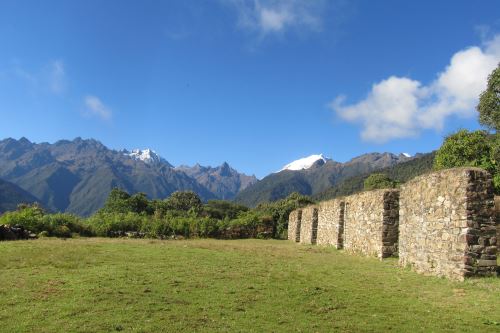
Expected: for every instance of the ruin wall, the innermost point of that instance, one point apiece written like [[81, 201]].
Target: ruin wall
[[497, 221], [446, 224]]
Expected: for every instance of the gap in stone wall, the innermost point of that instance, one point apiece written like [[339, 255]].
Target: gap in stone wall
[[314, 228]]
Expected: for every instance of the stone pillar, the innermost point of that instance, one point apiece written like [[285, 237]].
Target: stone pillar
[[447, 226], [371, 223], [294, 225], [331, 223]]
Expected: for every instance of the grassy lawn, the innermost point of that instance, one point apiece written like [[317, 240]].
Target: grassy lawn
[[102, 285]]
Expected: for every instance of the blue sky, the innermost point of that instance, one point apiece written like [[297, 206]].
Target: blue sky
[[253, 83]]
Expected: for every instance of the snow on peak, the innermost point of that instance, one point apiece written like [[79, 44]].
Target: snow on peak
[[147, 155], [406, 154], [304, 163]]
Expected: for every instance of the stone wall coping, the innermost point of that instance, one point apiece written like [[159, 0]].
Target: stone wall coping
[[331, 201], [457, 171], [381, 191]]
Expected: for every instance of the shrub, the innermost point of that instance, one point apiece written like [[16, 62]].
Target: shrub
[[29, 217], [105, 224], [63, 225], [475, 149]]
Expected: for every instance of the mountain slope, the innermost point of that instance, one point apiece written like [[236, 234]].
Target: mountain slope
[[76, 176], [401, 172], [223, 181], [11, 195], [317, 178]]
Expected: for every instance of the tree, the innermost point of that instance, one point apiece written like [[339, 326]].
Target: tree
[[378, 181], [117, 201], [120, 201], [221, 209], [139, 203], [464, 148], [183, 200], [489, 102], [475, 149]]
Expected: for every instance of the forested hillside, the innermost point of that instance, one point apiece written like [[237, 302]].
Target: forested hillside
[[401, 173]]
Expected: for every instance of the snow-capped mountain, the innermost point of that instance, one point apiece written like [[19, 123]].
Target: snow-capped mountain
[[315, 174], [406, 154], [148, 156], [305, 163]]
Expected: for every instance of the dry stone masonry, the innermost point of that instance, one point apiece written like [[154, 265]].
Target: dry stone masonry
[[371, 223], [444, 223], [497, 220], [447, 227], [331, 223], [309, 225]]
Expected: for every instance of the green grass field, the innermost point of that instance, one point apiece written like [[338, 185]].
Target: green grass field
[[103, 285]]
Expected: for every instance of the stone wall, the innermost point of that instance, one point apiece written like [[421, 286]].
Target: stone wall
[[16, 232], [497, 220], [331, 223], [371, 223], [309, 225], [446, 224], [294, 223]]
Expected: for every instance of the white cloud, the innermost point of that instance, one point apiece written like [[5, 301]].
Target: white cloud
[[95, 107], [57, 77], [400, 107], [48, 78], [277, 16]]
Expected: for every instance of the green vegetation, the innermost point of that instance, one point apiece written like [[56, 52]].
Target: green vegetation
[[279, 211], [180, 215], [35, 219], [399, 173], [105, 285], [489, 102], [378, 181], [476, 149]]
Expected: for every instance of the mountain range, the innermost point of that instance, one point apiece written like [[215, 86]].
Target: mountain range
[[76, 176], [315, 174]]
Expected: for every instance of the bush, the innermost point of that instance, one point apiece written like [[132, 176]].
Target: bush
[[474, 149], [279, 211], [34, 219], [29, 217], [63, 225], [220, 209], [106, 224]]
